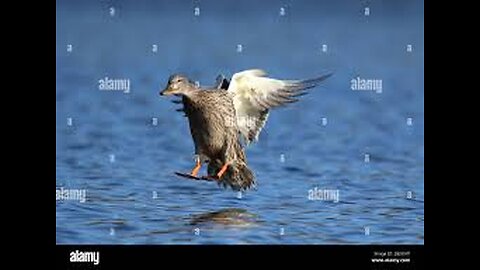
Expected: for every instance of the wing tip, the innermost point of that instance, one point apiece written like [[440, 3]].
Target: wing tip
[[319, 78]]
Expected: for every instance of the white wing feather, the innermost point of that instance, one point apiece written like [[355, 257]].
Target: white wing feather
[[254, 94]]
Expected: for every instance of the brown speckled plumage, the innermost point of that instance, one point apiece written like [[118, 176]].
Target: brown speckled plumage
[[211, 116]]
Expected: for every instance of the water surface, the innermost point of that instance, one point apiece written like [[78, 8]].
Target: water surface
[[126, 164]]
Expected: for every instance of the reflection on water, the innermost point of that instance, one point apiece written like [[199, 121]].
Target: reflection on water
[[229, 217]]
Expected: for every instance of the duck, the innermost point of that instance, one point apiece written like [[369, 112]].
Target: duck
[[226, 118]]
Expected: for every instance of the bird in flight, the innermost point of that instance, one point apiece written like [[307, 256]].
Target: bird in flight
[[229, 116]]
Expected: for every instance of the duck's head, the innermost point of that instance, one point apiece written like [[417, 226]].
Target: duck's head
[[178, 84]]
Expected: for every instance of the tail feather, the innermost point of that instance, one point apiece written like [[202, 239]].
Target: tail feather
[[238, 176], [244, 177]]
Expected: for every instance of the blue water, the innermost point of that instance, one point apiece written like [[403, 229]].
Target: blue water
[[125, 163]]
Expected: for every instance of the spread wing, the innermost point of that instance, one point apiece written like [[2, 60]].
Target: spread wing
[[254, 95]]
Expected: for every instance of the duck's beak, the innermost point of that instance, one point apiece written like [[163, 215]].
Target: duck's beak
[[166, 92]]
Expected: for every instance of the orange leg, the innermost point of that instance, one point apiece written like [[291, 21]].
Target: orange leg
[[197, 168], [223, 170]]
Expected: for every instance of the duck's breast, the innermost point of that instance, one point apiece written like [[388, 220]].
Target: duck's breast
[[212, 122]]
